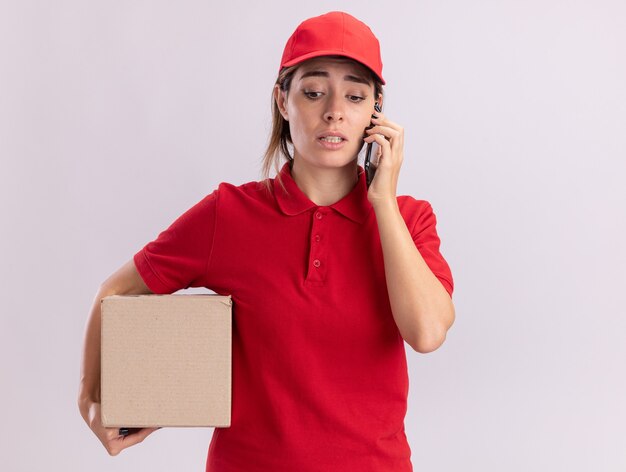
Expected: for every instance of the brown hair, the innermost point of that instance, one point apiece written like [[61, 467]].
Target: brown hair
[[280, 138]]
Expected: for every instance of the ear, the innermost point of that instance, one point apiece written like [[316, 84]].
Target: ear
[[380, 100], [281, 101]]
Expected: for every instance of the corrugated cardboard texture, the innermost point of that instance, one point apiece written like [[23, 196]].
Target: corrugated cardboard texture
[[166, 360]]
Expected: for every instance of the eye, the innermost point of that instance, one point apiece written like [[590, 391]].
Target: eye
[[311, 95], [355, 98]]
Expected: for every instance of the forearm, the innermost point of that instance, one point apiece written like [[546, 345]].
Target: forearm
[[89, 387], [421, 306]]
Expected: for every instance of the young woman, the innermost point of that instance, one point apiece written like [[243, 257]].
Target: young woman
[[329, 276]]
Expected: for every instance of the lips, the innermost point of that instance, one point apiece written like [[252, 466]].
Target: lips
[[332, 134]]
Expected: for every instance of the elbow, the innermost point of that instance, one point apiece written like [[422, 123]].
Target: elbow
[[431, 341], [425, 342], [424, 345]]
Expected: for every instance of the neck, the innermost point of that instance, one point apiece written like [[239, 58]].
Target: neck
[[324, 186]]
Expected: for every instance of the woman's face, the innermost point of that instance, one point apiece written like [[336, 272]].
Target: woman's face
[[329, 104]]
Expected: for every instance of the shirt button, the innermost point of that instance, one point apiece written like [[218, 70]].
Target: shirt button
[[317, 263], [318, 215], [317, 238]]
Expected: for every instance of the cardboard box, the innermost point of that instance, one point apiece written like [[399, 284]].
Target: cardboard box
[[166, 360]]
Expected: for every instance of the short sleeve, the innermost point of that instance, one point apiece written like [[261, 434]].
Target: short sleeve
[[426, 239], [179, 257]]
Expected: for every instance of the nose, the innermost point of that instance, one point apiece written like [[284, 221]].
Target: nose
[[334, 109]]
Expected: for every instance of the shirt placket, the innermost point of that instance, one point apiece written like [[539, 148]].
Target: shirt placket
[[318, 260]]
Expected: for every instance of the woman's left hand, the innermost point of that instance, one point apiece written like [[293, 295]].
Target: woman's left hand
[[390, 139]]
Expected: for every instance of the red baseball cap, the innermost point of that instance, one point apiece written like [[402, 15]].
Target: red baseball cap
[[334, 33]]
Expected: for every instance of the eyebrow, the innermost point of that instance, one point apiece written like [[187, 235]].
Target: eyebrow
[[321, 73]]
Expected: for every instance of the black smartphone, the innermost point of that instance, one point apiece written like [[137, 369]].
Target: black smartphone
[[128, 431], [370, 169]]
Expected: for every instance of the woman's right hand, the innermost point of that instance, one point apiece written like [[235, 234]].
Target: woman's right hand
[[110, 438]]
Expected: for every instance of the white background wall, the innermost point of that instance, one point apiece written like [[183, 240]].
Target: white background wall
[[115, 117]]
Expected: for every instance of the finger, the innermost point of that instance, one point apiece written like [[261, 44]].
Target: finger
[[382, 119], [111, 433], [120, 443], [381, 141], [379, 138], [116, 443], [138, 436], [111, 440], [388, 132]]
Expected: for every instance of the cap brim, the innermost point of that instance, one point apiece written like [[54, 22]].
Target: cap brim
[[330, 52]]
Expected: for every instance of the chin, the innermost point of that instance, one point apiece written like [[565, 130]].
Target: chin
[[332, 159], [334, 162]]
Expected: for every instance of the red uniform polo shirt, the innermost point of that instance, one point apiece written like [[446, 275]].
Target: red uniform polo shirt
[[319, 380]]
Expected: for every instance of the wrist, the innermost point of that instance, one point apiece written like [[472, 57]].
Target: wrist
[[385, 204], [86, 399]]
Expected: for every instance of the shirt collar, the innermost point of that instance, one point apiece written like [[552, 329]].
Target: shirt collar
[[354, 205]]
